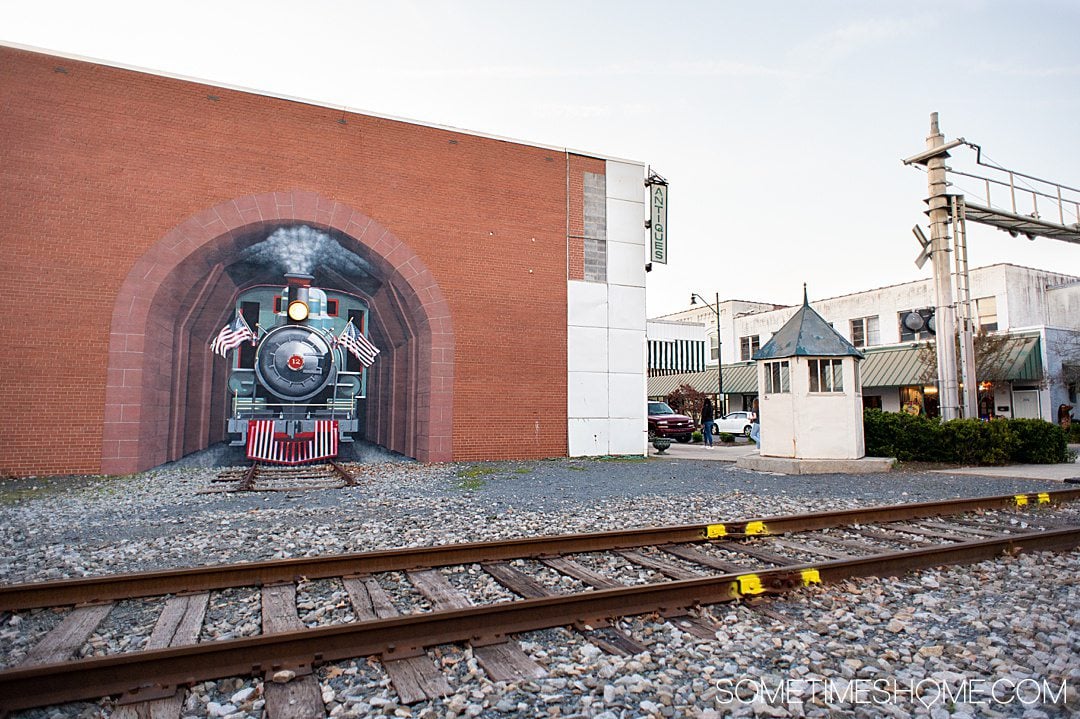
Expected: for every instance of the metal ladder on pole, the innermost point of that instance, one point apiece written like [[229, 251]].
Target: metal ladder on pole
[[962, 282]]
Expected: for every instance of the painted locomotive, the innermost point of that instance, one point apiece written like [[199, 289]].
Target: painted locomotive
[[296, 384]]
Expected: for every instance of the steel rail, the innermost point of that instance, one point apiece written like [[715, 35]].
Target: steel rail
[[149, 674], [200, 579]]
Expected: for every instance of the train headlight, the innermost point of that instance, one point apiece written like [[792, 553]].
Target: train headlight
[[298, 311]]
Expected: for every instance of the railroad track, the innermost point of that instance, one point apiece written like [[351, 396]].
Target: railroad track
[[270, 478], [688, 566]]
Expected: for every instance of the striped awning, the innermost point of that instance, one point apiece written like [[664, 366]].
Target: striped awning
[[739, 378], [1019, 358], [896, 367]]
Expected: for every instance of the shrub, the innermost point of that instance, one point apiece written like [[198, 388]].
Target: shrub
[[904, 436], [726, 437], [967, 441], [970, 441], [696, 436], [1039, 442], [1074, 432]]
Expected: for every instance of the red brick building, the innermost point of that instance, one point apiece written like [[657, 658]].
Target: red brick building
[[128, 197]]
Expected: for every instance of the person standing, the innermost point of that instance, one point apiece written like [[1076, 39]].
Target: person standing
[[707, 416], [755, 425]]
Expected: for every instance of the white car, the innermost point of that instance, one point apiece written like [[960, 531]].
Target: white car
[[734, 423]]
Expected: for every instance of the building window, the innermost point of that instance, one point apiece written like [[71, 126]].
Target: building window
[[865, 332], [714, 346], [777, 377], [595, 242], [909, 335], [826, 375], [748, 346], [986, 310]]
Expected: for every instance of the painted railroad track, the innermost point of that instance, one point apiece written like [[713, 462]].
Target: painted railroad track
[[268, 478], [557, 581]]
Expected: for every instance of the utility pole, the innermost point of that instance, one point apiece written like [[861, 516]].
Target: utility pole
[[945, 313], [968, 369]]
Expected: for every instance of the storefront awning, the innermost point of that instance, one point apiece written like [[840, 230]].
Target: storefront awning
[[1017, 358], [739, 378]]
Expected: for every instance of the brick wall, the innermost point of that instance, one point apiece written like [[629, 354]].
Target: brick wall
[[99, 166]]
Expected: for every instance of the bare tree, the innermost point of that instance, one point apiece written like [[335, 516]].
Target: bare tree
[[993, 356], [1067, 347]]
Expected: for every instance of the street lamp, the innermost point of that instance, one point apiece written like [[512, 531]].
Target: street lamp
[[694, 297]]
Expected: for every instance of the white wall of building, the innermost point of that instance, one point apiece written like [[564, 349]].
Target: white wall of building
[[606, 331], [1063, 306], [671, 330]]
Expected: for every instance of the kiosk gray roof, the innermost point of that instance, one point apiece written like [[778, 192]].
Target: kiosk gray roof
[[806, 334]]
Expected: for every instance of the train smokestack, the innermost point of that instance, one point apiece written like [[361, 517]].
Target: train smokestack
[[298, 304]]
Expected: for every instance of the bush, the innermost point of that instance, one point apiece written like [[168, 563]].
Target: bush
[[1039, 442], [966, 441], [696, 436], [969, 441], [1074, 432], [726, 437], [904, 436]]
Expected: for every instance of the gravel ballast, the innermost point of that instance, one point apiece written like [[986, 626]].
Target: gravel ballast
[[1000, 638]]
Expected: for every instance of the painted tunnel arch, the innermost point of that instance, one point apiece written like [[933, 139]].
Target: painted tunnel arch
[[165, 392]]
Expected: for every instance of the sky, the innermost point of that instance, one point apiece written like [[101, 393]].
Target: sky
[[780, 126]]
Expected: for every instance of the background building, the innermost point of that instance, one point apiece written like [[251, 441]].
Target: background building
[[505, 279], [1030, 320]]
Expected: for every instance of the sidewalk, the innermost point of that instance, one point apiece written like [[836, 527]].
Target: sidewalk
[[719, 452], [1051, 472], [731, 453]]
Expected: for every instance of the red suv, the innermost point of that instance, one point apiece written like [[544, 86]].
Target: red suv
[[665, 422]]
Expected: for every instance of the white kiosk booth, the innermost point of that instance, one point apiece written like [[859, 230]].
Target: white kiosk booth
[[810, 401]]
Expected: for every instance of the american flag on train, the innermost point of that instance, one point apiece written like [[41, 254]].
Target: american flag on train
[[232, 335], [266, 445], [354, 341]]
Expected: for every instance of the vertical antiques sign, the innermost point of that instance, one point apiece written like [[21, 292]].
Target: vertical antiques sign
[[658, 200]]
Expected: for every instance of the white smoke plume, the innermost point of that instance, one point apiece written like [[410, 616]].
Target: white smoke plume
[[304, 249]]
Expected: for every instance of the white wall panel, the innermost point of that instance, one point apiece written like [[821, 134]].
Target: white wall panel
[[588, 437], [626, 223], [626, 351], [625, 181], [628, 436], [627, 395], [626, 264], [587, 304], [587, 349], [587, 394], [626, 307]]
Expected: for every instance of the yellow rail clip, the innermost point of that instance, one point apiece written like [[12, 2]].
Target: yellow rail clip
[[1021, 500], [756, 528], [810, 576], [1044, 498], [715, 530], [750, 584]]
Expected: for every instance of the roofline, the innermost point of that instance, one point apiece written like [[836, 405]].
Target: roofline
[[313, 103], [1075, 279], [677, 323], [931, 279]]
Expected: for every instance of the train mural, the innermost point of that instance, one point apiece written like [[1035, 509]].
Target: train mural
[[297, 371]]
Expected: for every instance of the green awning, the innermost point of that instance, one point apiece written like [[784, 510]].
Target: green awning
[[895, 367], [1019, 358], [739, 378]]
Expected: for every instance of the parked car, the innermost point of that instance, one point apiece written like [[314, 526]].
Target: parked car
[[735, 423], [666, 422]]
